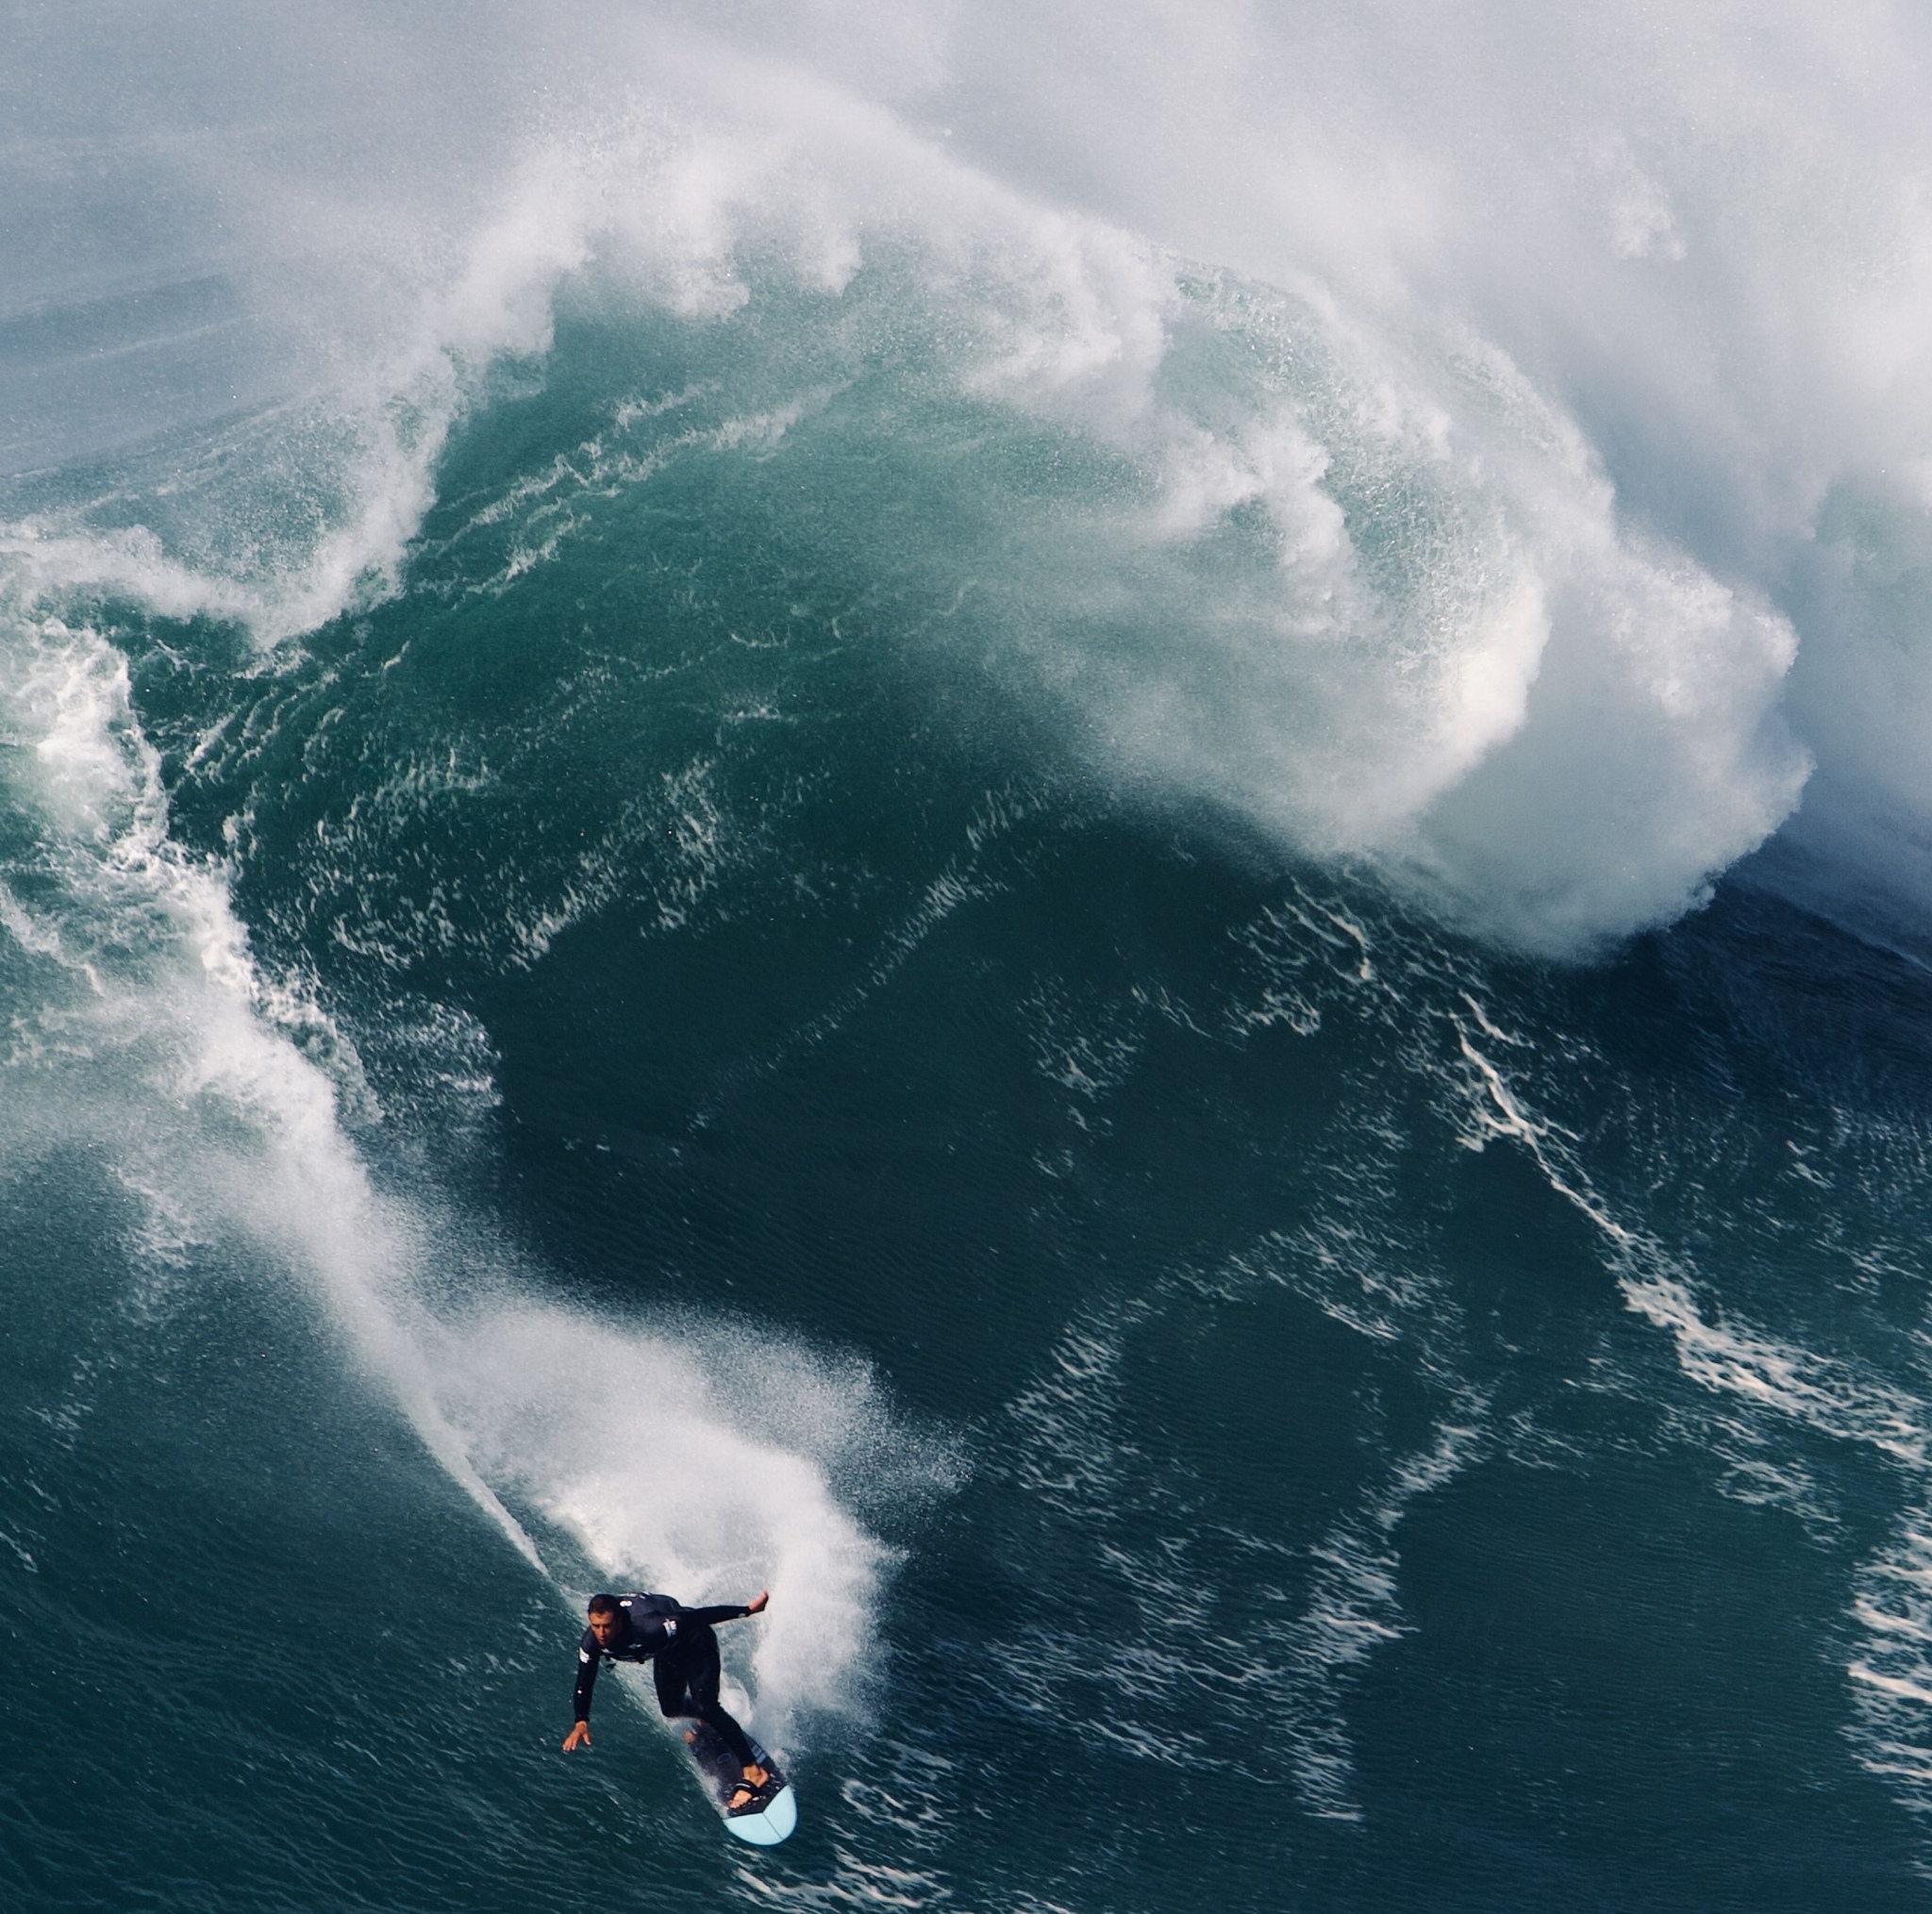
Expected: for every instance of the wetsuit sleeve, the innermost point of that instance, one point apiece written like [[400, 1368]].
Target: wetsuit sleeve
[[588, 1659], [730, 1611]]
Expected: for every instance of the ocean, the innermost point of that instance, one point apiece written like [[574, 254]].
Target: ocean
[[1103, 833]]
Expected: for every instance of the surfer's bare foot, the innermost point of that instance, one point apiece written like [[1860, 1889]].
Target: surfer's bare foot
[[755, 1778]]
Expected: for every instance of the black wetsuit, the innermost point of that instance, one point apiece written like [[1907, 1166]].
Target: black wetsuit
[[683, 1653]]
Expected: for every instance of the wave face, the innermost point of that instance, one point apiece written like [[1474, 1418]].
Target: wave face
[[1098, 833]]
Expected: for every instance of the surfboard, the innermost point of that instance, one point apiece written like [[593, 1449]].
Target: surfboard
[[769, 1816]]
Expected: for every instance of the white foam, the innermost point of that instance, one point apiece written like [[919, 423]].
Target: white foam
[[1553, 717]]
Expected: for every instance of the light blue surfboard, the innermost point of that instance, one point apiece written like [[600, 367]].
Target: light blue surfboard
[[770, 1816]]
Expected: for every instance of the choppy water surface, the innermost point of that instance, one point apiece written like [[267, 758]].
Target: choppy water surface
[[1104, 838]]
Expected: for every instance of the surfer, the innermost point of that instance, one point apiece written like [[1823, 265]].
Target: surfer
[[683, 1653]]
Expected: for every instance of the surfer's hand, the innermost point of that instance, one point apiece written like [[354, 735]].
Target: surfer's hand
[[757, 1604], [579, 1737]]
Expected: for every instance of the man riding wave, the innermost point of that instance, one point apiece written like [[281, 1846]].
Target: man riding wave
[[683, 1653]]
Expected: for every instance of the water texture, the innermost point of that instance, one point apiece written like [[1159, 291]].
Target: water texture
[[1103, 833]]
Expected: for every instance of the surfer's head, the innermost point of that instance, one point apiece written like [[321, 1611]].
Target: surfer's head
[[607, 1619]]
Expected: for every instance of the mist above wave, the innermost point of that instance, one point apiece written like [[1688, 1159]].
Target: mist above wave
[[1473, 385]]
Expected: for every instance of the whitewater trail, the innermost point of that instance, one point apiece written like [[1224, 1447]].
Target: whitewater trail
[[700, 1459]]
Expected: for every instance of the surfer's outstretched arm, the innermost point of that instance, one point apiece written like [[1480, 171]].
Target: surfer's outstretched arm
[[729, 1612]]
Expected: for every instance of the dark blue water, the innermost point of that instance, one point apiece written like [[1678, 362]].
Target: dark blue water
[[1124, 965]]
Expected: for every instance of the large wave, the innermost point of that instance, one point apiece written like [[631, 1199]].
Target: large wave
[[1477, 444]]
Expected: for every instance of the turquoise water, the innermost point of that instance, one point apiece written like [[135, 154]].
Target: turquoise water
[[778, 830]]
